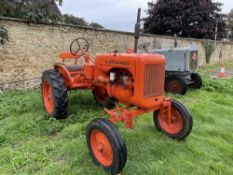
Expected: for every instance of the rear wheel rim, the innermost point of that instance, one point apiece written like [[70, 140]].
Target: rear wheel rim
[[48, 96], [173, 127], [174, 86], [101, 148]]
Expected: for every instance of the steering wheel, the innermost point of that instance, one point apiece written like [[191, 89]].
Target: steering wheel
[[77, 44], [144, 45]]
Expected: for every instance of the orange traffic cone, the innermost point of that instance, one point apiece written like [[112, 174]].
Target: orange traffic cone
[[222, 72]]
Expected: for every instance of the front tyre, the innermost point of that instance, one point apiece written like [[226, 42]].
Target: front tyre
[[197, 81], [180, 126], [54, 94], [106, 145]]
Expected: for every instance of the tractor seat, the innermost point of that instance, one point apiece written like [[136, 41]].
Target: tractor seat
[[73, 68]]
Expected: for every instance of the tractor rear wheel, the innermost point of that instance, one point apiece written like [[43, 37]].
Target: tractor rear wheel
[[197, 81], [176, 85], [180, 126], [106, 145], [54, 94]]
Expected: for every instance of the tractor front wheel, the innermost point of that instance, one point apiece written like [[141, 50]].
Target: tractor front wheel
[[197, 81], [106, 145], [54, 94], [176, 85], [181, 122]]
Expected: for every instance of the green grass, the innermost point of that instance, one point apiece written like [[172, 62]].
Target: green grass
[[33, 143]]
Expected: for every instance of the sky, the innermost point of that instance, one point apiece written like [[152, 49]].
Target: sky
[[114, 14]]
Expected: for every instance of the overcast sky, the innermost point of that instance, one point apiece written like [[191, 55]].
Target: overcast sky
[[114, 14]]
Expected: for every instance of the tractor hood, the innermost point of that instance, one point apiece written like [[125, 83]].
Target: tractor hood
[[128, 60], [179, 59]]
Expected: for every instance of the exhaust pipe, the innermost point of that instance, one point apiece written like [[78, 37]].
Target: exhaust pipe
[[137, 31]]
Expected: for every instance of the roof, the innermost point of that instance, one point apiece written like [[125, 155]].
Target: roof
[[179, 49], [53, 8]]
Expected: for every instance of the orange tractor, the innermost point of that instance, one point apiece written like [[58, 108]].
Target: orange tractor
[[136, 81]]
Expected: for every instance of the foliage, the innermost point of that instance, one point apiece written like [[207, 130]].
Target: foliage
[[58, 1], [3, 35], [24, 10], [42, 14], [96, 25], [224, 86], [230, 24], [71, 19], [209, 49], [185, 18], [12, 8], [221, 86], [33, 143]]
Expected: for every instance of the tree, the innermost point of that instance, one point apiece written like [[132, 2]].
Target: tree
[[40, 11], [230, 24], [96, 25], [12, 8], [185, 18], [71, 19], [33, 11]]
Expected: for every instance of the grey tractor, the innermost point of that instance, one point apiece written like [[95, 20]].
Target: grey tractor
[[181, 68]]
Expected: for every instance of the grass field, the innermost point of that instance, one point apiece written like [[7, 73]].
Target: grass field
[[32, 143]]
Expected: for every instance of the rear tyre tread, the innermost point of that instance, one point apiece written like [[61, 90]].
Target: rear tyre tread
[[60, 97]]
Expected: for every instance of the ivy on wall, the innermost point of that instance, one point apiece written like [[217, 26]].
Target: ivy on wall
[[3, 35], [209, 47]]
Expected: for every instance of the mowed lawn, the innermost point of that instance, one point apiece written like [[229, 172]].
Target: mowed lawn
[[33, 143]]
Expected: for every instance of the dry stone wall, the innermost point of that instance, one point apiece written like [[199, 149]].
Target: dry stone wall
[[33, 48]]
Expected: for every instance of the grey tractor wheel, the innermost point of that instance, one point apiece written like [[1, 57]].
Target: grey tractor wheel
[[176, 84], [197, 81]]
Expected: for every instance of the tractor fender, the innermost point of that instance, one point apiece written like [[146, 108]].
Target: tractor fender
[[65, 75]]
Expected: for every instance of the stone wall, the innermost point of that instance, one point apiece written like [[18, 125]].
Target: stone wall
[[33, 48]]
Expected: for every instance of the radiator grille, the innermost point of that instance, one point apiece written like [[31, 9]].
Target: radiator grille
[[154, 75]]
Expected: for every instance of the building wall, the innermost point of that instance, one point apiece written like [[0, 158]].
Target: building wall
[[32, 48]]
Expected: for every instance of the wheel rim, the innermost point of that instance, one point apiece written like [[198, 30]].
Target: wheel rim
[[101, 148], [48, 96], [174, 86], [176, 124]]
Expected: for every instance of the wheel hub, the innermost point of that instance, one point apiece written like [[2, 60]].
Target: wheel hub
[[101, 148], [176, 124], [174, 86]]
